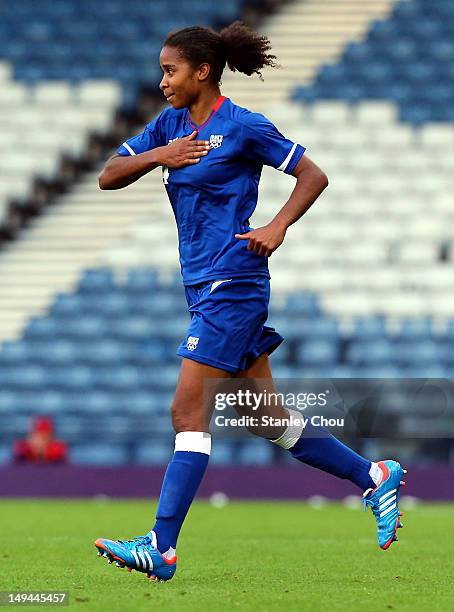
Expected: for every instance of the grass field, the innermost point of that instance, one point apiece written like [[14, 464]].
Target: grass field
[[245, 556]]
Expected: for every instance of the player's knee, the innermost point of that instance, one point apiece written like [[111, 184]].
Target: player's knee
[[186, 418]]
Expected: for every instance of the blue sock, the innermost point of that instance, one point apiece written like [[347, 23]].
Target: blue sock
[[317, 447], [181, 481]]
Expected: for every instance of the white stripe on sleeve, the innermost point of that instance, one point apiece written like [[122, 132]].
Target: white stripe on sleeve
[[126, 146], [286, 161]]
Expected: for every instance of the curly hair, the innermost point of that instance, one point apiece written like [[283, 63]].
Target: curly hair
[[236, 45]]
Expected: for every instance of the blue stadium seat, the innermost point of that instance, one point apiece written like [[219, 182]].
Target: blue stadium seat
[[14, 426], [416, 328], [119, 378], [427, 370], [59, 352], [86, 326], [96, 280], [91, 401], [222, 452], [67, 305], [5, 454], [71, 378], [28, 376], [400, 93], [418, 353], [254, 452], [146, 403], [153, 352], [406, 58], [8, 401], [357, 53], [153, 453], [401, 51], [302, 303], [286, 371], [43, 401], [142, 280], [380, 370], [418, 114], [132, 328], [99, 454], [70, 428], [441, 50], [317, 352], [160, 379], [13, 352], [369, 328], [172, 329], [38, 327], [383, 32], [373, 352], [320, 327], [105, 352]]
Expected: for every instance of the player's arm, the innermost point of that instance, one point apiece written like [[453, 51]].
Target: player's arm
[[122, 170], [310, 182]]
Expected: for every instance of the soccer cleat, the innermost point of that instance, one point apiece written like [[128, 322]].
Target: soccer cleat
[[140, 554], [384, 501]]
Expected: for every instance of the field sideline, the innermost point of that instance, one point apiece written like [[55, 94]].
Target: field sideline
[[245, 556]]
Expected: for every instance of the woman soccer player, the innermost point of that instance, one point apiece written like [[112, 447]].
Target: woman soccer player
[[212, 153]]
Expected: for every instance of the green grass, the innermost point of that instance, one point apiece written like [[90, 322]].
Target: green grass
[[245, 556]]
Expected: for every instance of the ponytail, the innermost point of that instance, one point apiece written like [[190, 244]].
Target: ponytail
[[246, 51], [236, 45]]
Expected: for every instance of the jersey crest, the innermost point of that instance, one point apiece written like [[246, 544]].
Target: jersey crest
[[216, 140]]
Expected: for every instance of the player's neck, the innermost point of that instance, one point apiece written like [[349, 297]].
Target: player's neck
[[203, 107]]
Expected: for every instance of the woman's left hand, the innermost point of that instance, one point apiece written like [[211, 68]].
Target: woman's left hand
[[264, 240]]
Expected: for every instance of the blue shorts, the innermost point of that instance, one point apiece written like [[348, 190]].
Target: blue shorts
[[227, 328]]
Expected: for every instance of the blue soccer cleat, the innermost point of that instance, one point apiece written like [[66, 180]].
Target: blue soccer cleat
[[384, 501], [140, 554]]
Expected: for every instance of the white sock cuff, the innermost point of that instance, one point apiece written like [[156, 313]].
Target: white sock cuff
[[193, 441], [293, 432]]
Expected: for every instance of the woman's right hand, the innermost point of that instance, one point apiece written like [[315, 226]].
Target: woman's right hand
[[183, 151]]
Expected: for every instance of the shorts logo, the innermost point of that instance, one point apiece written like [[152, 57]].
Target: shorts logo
[[192, 342], [216, 141]]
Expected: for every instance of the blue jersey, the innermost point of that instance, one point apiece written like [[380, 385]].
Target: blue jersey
[[214, 199]]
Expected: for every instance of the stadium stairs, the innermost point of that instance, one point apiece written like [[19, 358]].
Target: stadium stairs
[[304, 35]]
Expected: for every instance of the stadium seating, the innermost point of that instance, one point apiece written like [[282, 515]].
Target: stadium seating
[[103, 362], [83, 40], [407, 58], [64, 70], [41, 124]]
